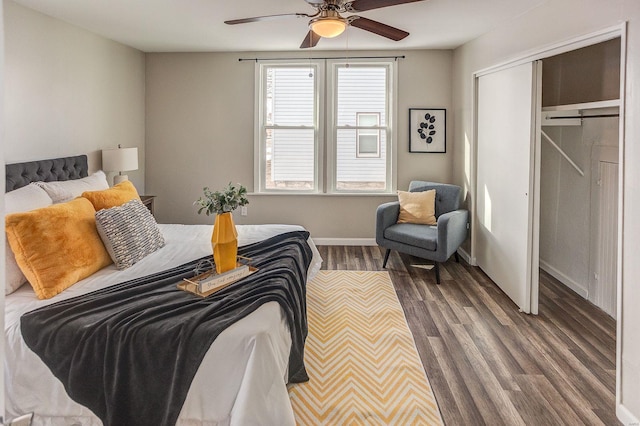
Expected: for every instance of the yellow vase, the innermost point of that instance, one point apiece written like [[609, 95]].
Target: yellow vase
[[224, 241]]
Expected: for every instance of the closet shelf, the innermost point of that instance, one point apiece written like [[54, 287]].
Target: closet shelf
[[585, 105]]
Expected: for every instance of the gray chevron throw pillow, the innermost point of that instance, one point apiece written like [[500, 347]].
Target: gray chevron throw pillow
[[129, 232]]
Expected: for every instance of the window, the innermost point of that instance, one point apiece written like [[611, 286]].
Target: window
[[292, 123], [287, 153]]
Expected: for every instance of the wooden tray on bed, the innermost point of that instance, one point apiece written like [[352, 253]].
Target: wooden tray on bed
[[209, 282]]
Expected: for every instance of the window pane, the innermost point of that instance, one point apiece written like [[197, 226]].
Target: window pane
[[355, 172], [289, 96], [368, 119], [368, 139], [367, 144], [290, 159], [361, 90]]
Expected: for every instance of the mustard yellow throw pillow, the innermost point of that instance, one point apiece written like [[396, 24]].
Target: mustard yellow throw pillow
[[56, 246], [417, 207], [112, 197]]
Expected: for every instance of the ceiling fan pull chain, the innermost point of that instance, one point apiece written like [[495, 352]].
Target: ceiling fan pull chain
[[347, 54]]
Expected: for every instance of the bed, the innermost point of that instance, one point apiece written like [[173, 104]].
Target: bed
[[242, 377]]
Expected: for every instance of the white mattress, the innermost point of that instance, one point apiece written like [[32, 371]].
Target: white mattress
[[242, 378]]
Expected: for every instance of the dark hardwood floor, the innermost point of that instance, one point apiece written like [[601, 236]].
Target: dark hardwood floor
[[489, 364]]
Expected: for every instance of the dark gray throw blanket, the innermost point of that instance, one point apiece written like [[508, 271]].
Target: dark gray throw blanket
[[130, 351]]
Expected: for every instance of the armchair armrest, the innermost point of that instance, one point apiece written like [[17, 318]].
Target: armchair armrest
[[452, 231], [386, 215]]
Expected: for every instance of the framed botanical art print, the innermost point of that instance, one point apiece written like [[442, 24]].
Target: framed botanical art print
[[427, 130]]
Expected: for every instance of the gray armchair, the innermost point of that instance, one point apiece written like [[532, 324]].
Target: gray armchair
[[436, 243]]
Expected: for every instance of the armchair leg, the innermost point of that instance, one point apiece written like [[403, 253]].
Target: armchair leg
[[386, 257], [437, 268], [457, 257]]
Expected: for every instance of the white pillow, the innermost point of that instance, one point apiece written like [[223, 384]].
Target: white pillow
[[67, 190], [23, 199]]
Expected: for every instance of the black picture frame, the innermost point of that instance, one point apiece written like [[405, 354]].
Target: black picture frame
[[428, 130]]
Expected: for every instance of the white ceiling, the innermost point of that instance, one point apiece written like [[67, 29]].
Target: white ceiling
[[197, 25]]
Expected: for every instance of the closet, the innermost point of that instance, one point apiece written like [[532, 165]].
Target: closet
[[547, 173], [579, 170]]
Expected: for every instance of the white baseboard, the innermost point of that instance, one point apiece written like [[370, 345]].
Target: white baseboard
[[625, 416], [466, 256], [564, 279], [345, 241], [368, 242]]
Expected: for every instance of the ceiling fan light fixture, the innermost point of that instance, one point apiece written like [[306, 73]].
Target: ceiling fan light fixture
[[328, 27]]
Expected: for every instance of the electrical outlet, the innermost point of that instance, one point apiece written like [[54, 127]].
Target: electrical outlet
[[243, 211]]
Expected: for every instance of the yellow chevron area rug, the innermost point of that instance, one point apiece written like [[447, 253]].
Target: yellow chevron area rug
[[362, 361]]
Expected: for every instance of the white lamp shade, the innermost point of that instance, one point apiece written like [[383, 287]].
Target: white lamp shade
[[120, 160], [328, 27]]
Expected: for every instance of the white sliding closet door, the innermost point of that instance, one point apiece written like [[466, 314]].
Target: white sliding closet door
[[506, 123]]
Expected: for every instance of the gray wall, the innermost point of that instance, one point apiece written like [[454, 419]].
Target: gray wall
[[564, 20], [199, 115], [69, 92]]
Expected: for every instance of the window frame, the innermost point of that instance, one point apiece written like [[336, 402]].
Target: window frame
[[390, 128], [260, 124], [325, 128]]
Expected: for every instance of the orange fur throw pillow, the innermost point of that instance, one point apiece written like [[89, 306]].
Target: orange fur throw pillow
[[417, 207], [112, 197], [56, 246]]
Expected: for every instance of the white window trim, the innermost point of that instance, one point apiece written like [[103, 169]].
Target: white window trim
[[325, 129]]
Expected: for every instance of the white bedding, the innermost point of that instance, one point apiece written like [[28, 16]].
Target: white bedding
[[242, 378]]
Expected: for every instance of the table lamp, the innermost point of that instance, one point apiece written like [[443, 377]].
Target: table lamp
[[120, 160]]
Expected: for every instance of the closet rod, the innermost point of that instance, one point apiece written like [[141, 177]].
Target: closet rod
[[584, 116], [566, 157]]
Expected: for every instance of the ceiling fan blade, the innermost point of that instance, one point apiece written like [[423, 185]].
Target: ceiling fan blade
[[378, 28], [310, 40], [266, 18], [362, 5]]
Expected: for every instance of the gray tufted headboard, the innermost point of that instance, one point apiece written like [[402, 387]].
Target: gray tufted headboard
[[66, 168]]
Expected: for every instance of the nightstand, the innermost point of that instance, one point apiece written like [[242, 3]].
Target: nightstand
[[147, 200]]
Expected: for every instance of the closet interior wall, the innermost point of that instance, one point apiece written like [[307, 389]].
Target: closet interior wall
[[571, 231]]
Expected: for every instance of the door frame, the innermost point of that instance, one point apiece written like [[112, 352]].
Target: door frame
[[532, 56]]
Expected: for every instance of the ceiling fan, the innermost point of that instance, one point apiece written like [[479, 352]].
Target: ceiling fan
[[327, 21]]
